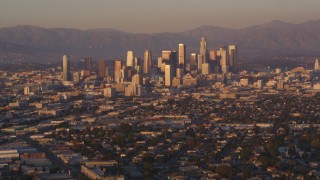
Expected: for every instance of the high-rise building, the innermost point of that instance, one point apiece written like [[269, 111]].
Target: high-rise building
[[166, 55], [125, 73], [159, 62], [130, 59], [136, 62], [88, 63], [316, 65], [203, 49], [109, 92], [223, 60], [174, 60], [232, 56], [147, 61], [26, 90], [76, 76], [117, 65], [213, 55], [280, 84], [168, 75], [182, 56], [136, 79], [169, 57], [205, 69], [179, 73], [193, 59], [102, 69], [200, 62], [66, 68]]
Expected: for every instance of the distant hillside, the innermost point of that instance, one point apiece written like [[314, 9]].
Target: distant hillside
[[271, 39]]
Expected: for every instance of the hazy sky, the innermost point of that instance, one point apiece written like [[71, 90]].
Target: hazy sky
[[154, 15]]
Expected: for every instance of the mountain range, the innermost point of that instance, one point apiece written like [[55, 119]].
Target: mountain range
[[37, 44]]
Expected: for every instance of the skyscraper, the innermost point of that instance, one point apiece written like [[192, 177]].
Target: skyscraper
[[213, 55], [168, 75], [88, 63], [182, 56], [200, 62], [169, 57], [223, 60], [147, 61], [136, 62], [193, 61], [232, 56], [316, 65], [203, 49], [102, 68], [117, 70], [205, 69], [136, 79], [130, 58], [66, 68]]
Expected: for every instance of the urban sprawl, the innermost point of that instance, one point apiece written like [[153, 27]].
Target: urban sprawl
[[175, 119]]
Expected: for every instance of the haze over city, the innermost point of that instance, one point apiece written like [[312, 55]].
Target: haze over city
[[145, 16]]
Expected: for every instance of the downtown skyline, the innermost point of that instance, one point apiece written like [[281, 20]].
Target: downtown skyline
[[165, 89]]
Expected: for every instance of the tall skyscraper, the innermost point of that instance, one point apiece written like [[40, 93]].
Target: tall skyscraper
[[88, 63], [179, 73], [102, 70], [232, 56], [147, 61], [117, 70], [169, 57], [182, 56], [166, 55], [205, 69], [193, 61], [203, 49], [136, 79], [130, 58], [200, 62], [213, 55], [223, 60], [136, 62], [316, 65], [159, 62], [168, 75], [66, 68]]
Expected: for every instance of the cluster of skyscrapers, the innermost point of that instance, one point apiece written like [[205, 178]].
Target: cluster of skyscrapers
[[171, 66]]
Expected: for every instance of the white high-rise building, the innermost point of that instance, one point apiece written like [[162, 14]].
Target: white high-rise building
[[66, 68], [130, 59]]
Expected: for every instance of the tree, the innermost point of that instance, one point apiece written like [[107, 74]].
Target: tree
[[225, 171], [246, 153], [315, 143], [148, 168], [125, 128]]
